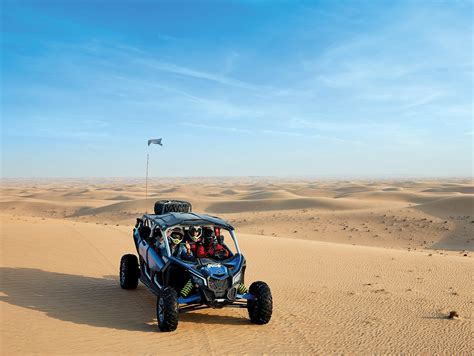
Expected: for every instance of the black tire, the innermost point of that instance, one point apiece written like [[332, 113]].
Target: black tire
[[172, 206], [167, 310], [129, 272], [260, 308]]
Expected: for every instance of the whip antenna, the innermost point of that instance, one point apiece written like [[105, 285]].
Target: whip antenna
[[155, 141]]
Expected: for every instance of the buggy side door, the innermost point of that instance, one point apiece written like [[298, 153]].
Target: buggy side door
[[154, 258], [144, 231], [143, 248]]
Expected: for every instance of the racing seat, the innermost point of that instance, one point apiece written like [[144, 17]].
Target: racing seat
[[145, 232]]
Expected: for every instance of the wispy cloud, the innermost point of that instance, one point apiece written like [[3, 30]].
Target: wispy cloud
[[422, 101], [216, 127], [282, 133], [286, 133], [193, 73], [59, 128]]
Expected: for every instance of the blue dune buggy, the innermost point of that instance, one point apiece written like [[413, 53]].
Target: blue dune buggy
[[183, 285]]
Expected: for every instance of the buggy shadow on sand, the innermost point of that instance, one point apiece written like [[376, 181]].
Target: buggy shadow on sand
[[183, 285]]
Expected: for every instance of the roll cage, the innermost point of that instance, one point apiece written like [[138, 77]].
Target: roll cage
[[167, 220], [159, 225]]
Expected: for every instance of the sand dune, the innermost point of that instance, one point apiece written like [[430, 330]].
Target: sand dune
[[311, 192], [347, 212], [124, 209], [329, 298], [175, 191], [41, 208], [273, 194], [77, 193], [354, 189], [392, 189], [451, 189], [229, 192], [133, 207], [121, 197], [354, 266], [285, 204], [458, 205], [400, 196]]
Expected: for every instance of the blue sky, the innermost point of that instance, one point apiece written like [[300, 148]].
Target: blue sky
[[273, 88]]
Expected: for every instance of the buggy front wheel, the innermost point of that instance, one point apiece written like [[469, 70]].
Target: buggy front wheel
[[167, 310], [260, 307]]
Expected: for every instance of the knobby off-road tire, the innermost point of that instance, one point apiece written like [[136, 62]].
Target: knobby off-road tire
[[172, 206], [260, 308], [167, 310], [129, 272]]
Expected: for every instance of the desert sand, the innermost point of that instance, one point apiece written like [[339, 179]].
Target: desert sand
[[367, 266]]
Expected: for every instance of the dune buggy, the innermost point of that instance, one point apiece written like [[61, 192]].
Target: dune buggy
[[183, 285]]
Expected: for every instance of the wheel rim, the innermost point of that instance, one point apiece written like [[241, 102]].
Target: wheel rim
[[161, 314]]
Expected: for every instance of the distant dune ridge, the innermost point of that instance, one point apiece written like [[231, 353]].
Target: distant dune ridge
[[457, 205], [229, 192], [311, 210], [288, 203], [350, 263]]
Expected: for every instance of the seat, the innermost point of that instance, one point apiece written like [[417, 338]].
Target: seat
[[144, 232]]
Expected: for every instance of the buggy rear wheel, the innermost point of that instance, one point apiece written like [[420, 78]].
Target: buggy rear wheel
[[261, 306], [167, 310], [129, 272]]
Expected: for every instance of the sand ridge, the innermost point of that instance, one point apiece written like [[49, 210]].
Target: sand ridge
[[353, 212]]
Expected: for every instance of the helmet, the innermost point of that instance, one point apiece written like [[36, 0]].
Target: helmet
[[195, 233], [208, 235], [176, 235]]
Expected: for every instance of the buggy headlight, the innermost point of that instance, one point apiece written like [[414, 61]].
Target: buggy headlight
[[237, 278]]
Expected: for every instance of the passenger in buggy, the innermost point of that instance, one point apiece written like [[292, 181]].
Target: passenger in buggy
[[211, 247], [194, 239], [177, 248]]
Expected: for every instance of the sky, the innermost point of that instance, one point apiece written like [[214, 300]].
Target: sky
[[237, 88]]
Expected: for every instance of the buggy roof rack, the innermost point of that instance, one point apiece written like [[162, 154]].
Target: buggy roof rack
[[167, 220]]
